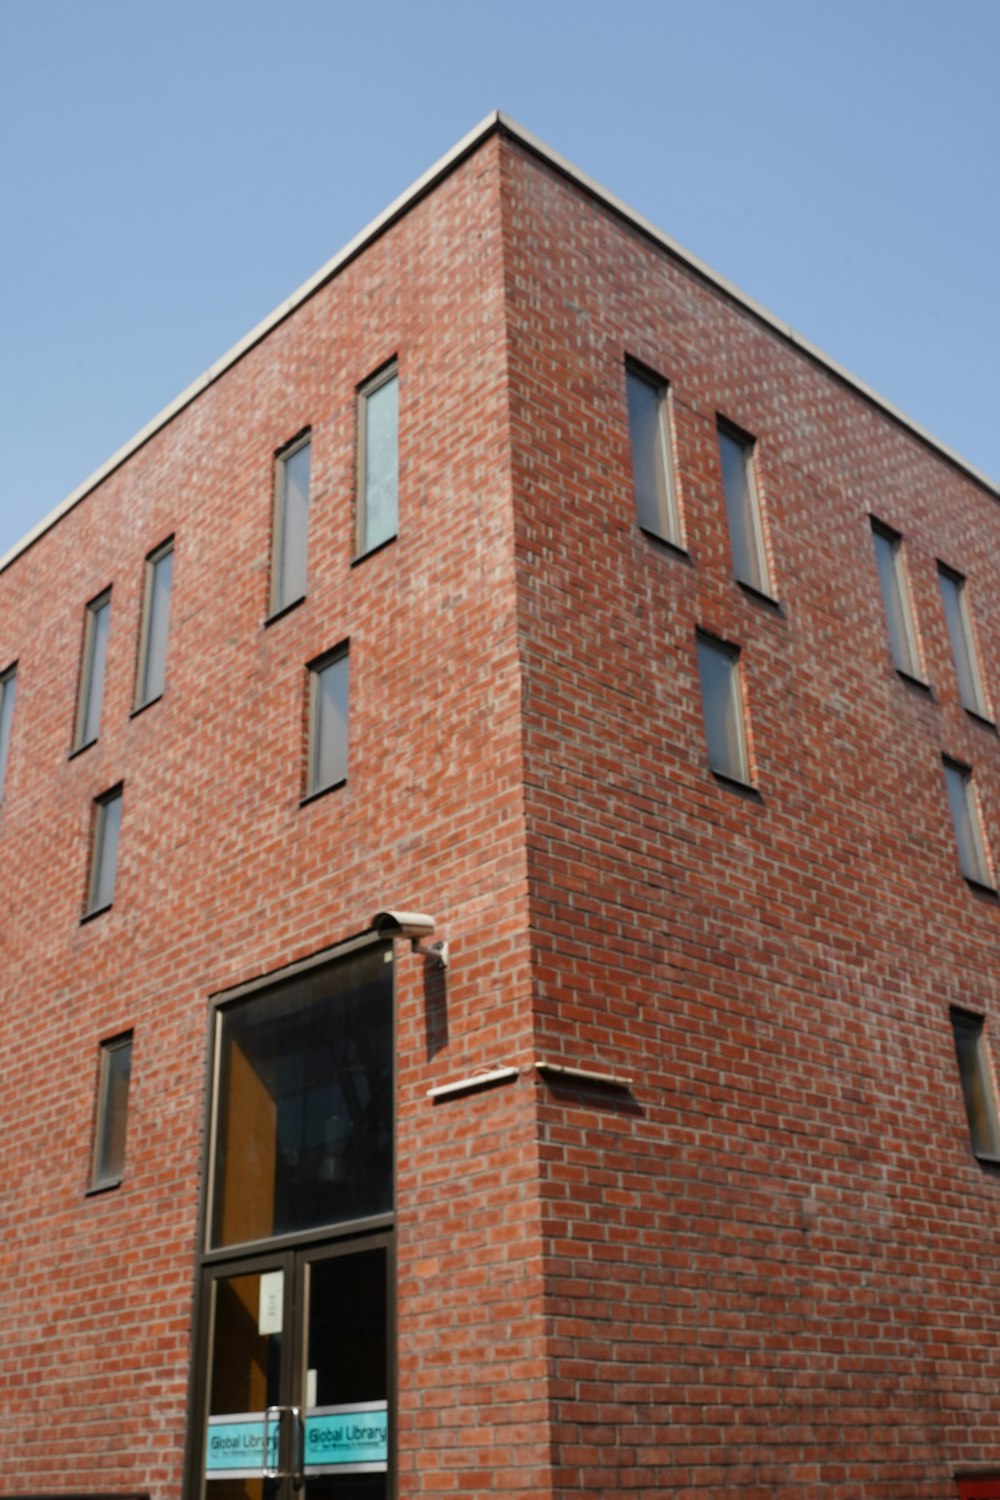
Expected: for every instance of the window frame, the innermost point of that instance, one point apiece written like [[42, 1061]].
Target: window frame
[[8, 696], [747, 508], [382, 377], [974, 857], [104, 1115], [143, 697], [897, 603], [90, 698], [975, 1070], [659, 515], [286, 1249], [114, 796], [962, 637], [316, 669], [737, 773], [278, 601]]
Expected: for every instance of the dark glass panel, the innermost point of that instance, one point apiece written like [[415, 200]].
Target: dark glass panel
[[722, 708], [380, 462], [116, 1068], [294, 527], [650, 468], [304, 1112]]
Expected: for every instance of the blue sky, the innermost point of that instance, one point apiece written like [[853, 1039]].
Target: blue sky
[[169, 173]]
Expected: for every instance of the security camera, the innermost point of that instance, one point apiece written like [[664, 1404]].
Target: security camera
[[416, 926], [408, 924]]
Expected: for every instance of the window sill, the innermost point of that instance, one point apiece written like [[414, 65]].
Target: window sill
[[286, 609], [760, 596], [322, 791], [371, 551], [675, 549], [981, 718], [736, 784], [981, 887], [920, 683], [79, 749], [140, 708], [98, 911], [107, 1186]]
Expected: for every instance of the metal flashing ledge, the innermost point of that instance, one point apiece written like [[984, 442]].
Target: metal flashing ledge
[[583, 1075], [474, 1081], [496, 121]]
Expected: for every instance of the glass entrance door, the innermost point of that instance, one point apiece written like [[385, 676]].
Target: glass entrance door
[[298, 1399]]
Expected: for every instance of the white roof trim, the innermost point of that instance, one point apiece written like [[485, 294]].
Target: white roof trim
[[713, 277], [399, 206]]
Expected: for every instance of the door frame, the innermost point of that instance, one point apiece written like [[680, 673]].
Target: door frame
[[295, 1263], [210, 1264]]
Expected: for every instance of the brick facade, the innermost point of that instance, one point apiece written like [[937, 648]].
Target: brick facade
[[767, 1265]]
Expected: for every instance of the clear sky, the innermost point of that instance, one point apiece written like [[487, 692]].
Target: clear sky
[[171, 172]]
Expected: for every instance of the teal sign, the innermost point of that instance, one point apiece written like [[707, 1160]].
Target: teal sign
[[347, 1438], [235, 1445]]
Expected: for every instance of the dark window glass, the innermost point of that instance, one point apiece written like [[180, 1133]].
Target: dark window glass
[[896, 600], [328, 684], [95, 649], [963, 647], [346, 1329], [104, 860], [746, 532], [722, 707], [8, 682], [291, 528], [977, 1083], [652, 468], [378, 461], [304, 1113], [155, 618], [112, 1111], [968, 830]]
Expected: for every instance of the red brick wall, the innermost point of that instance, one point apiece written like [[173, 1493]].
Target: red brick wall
[[224, 876], [771, 1265], [768, 1267]]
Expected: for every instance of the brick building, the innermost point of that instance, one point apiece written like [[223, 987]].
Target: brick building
[[520, 575]]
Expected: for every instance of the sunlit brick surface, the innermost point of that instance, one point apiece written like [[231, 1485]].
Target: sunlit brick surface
[[769, 1267]]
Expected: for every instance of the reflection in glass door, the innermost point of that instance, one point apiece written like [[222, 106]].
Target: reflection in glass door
[[241, 1444], [298, 1390], [345, 1376]]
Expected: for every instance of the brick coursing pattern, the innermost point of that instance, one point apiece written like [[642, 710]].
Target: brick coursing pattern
[[769, 1267]]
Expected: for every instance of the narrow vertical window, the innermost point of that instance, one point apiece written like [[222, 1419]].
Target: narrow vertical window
[[155, 618], [104, 851], [8, 682], [95, 648], [291, 524], [746, 530], [378, 460], [963, 645], [652, 460], [896, 599], [112, 1112], [978, 1089], [722, 708], [327, 722], [972, 855]]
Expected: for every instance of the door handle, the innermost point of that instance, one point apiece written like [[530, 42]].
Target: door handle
[[269, 1471], [296, 1473]]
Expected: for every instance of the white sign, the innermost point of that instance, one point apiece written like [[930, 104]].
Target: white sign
[[272, 1292]]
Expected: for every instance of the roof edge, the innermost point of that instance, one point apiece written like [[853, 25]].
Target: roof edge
[[423, 184], [702, 269], [445, 164]]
